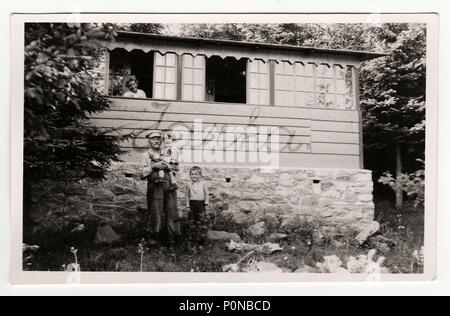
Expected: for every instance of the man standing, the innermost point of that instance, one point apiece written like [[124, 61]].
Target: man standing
[[161, 197]]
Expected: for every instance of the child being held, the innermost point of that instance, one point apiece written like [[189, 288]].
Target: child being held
[[197, 195], [169, 155]]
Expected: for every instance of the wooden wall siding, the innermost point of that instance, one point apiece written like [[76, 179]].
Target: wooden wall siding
[[330, 138], [208, 50], [286, 160]]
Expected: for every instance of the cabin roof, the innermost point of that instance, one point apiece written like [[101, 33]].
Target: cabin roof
[[361, 55]]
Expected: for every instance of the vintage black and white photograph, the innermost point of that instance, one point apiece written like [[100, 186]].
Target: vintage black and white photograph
[[281, 148]]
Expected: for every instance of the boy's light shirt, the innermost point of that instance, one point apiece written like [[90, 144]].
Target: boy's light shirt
[[198, 191]]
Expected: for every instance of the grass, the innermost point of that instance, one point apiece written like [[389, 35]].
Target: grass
[[405, 228]]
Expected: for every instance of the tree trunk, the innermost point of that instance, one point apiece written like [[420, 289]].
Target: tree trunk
[[399, 169]]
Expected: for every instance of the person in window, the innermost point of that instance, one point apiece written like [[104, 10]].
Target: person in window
[[133, 91]]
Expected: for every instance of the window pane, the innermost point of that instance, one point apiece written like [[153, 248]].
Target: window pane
[[309, 99], [199, 62], [320, 85], [159, 74], [288, 68], [254, 81], [340, 102], [187, 61], [300, 99], [263, 97], [253, 98], [198, 76], [289, 83], [263, 81], [309, 84], [199, 93], [279, 69], [309, 71], [349, 80], [340, 86], [187, 92], [340, 73], [278, 82], [279, 98], [329, 99], [160, 60], [263, 67], [253, 66], [348, 102], [320, 101], [327, 85], [289, 96], [187, 76], [299, 69], [324, 71], [170, 75], [170, 59], [170, 91], [300, 84], [159, 91]]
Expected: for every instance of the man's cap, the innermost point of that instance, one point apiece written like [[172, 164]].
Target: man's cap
[[154, 133]]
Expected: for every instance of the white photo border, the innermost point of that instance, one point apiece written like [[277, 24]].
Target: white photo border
[[17, 69]]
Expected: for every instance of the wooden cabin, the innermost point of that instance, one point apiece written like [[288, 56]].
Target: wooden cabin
[[305, 98]]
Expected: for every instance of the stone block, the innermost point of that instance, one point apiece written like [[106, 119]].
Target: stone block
[[308, 201], [255, 179], [365, 197], [248, 196], [118, 189], [362, 177], [286, 180], [300, 176], [323, 202]]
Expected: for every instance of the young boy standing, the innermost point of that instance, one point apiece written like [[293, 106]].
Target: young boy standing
[[197, 195]]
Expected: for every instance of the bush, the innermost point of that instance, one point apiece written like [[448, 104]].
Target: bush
[[413, 184]]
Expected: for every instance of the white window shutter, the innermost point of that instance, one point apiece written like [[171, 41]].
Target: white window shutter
[[193, 78], [165, 76]]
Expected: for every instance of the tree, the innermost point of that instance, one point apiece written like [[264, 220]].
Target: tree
[[154, 28], [393, 99], [59, 142]]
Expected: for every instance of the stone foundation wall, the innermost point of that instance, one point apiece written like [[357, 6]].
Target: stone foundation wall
[[339, 197]]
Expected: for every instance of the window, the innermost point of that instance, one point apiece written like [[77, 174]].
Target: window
[[164, 85], [304, 84], [294, 84], [258, 76], [226, 79], [193, 78], [345, 97], [284, 84], [311, 85], [124, 64], [325, 97]]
